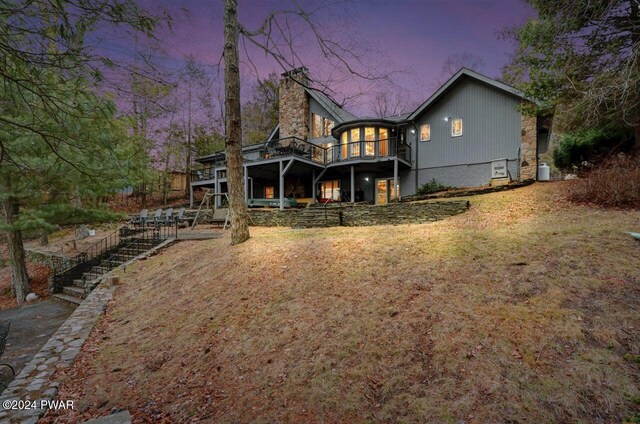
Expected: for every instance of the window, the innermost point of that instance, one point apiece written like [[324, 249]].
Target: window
[[425, 132], [344, 146], [330, 151], [383, 147], [320, 126], [328, 126], [355, 142], [316, 126], [369, 141], [330, 190], [456, 127], [269, 192]]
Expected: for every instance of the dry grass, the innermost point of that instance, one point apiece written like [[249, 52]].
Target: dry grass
[[521, 310]]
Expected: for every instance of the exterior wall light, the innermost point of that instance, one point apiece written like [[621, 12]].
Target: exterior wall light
[[413, 131], [366, 179], [447, 118]]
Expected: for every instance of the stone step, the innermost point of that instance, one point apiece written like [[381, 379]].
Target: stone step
[[74, 291], [78, 282], [100, 269], [61, 297]]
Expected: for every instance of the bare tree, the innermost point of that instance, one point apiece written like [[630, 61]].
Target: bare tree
[[388, 103], [453, 63]]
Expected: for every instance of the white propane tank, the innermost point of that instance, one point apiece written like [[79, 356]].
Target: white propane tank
[[543, 172]]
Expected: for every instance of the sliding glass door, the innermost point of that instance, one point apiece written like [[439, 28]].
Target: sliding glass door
[[385, 191]]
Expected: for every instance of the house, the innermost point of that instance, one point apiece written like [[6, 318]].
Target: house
[[470, 132]]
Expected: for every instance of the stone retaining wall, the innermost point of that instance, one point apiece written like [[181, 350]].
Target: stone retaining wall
[[50, 260], [273, 217], [402, 213], [364, 215]]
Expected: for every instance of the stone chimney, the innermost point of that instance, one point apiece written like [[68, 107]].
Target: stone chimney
[[294, 104]]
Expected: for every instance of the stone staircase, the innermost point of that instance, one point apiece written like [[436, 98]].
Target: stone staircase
[[74, 283], [318, 216]]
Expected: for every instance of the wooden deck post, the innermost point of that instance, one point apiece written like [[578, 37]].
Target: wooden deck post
[[313, 186], [353, 183], [395, 178], [190, 196], [246, 183], [281, 192]]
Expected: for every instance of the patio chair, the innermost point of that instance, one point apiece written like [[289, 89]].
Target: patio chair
[[167, 218], [141, 218], [180, 218], [157, 216], [4, 334]]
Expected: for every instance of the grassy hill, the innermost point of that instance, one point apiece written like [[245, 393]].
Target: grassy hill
[[522, 310]]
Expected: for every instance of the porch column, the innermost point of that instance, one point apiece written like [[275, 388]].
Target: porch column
[[246, 183], [215, 188], [313, 186], [281, 192], [190, 196], [395, 178], [353, 183]]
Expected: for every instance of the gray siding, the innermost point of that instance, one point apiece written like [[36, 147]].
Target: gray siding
[[454, 176], [491, 130]]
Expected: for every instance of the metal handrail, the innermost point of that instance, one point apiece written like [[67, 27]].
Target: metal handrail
[[89, 253]]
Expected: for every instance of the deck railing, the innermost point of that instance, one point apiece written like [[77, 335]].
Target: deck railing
[[340, 152], [369, 150], [358, 150], [294, 146]]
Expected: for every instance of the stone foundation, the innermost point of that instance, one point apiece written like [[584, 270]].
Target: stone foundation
[[528, 148]]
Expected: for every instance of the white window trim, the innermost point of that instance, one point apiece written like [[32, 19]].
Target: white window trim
[[461, 127], [426, 139]]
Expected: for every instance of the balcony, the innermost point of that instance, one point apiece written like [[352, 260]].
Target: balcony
[[368, 150], [359, 150], [294, 146], [208, 173], [365, 150]]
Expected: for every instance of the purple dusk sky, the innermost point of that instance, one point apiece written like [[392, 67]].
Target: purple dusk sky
[[411, 39]]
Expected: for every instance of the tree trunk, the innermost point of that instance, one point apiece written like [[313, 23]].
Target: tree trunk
[[636, 145], [233, 142], [44, 238], [20, 279]]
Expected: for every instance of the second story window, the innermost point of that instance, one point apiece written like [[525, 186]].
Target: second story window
[[320, 126], [425, 132], [456, 127], [369, 141], [355, 142]]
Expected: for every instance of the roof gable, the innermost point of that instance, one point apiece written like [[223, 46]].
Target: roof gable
[[341, 114], [463, 72]]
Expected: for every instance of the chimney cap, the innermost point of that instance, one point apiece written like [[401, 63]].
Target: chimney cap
[[296, 71]]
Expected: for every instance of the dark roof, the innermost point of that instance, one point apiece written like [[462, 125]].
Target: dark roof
[[341, 114], [464, 72]]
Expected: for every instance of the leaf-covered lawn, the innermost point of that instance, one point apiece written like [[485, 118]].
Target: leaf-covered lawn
[[522, 310]]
